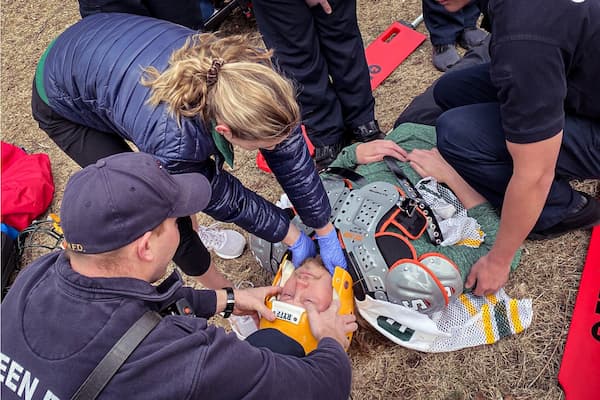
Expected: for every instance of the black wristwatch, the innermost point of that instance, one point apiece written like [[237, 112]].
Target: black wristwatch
[[230, 302]]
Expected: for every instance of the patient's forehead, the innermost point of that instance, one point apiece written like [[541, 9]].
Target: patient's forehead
[[311, 262]]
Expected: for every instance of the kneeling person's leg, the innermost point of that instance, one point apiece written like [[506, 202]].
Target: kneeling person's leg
[[194, 258], [465, 86], [568, 209], [471, 139]]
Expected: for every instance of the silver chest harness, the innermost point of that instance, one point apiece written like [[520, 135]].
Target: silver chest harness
[[382, 262]]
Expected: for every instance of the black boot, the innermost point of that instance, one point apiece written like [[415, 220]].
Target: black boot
[[367, 132], [324, 155], [586, 215]]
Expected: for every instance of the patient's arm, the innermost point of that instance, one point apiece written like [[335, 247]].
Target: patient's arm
[[431, 163]]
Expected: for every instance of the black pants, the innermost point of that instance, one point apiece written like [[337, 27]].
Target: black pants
[[86, 145], [325, 55], [423, 108], [182, 12]]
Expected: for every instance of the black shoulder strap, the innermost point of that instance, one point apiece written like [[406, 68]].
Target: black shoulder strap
[[345, 173], [112, 361], [433, 227]]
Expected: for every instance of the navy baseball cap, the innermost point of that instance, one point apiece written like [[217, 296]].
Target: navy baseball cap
[[110, 204]]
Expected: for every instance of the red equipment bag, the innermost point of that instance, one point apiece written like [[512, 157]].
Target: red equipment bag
[[27, 186]]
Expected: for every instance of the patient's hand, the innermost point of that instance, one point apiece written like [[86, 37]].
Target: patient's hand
[[377, 149], [431, 163], [330, 324]]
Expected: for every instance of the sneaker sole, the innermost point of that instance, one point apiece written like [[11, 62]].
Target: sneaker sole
[[229, 256]]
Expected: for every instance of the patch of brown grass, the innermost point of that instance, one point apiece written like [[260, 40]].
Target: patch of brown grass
[[517, 368]]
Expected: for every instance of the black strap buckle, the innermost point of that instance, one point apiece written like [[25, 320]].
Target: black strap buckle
[[179, 307], [345, 173], [408, 206]]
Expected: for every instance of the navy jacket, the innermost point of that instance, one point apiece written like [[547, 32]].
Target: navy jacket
[[91, 75], [545, 58], [57, 325]]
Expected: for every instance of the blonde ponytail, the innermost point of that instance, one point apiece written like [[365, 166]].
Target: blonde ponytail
[[230, 80]]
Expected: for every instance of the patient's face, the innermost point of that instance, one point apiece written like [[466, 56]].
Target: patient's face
[[309, 283]]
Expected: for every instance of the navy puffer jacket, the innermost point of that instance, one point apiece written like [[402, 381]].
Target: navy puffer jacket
[[91, 76]]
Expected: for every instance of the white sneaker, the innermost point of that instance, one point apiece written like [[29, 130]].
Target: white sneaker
[[226, 243], [242, 325]]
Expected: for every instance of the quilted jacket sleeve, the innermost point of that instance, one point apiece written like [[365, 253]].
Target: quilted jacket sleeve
[[296, 173], [233, 202]]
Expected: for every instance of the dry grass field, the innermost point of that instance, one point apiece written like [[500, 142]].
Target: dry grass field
[[519, 367]]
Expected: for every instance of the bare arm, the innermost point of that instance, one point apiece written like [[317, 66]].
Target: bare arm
[[534, 167], [431, 163]]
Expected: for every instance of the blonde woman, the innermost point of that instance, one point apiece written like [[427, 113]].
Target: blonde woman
[[185, 98]]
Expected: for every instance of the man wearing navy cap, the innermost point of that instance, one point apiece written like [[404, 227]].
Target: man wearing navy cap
[[67, 309], [521, 127]]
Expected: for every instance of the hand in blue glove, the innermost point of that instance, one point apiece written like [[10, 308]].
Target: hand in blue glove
[[331, 251], [303, 248]]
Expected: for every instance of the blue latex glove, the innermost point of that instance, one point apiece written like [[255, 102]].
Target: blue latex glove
[[331, 251], [303, 248]]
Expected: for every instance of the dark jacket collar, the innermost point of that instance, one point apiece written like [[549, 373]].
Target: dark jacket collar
[[108, 288]]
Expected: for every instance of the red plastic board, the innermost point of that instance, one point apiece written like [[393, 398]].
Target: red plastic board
[[392, 47], [579, 373]]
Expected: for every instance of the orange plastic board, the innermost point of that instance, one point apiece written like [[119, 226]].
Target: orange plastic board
[[579, 373], [392, 47]]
